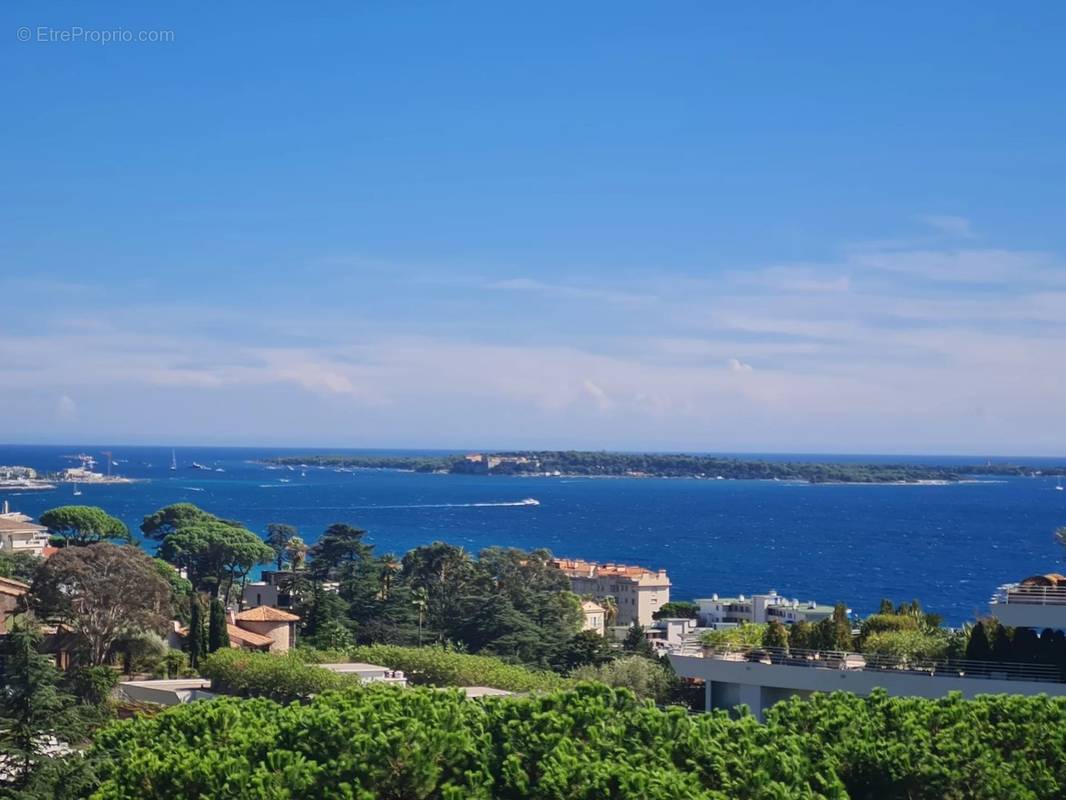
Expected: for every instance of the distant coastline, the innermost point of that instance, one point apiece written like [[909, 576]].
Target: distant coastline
[[585, 464]]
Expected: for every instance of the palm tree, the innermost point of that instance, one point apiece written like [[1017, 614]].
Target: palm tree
[[390, 565], [297, 552], [421, 602], [610, 608]]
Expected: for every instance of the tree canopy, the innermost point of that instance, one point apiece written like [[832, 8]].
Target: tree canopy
[[215, 554], [102, 592], [80, 525]]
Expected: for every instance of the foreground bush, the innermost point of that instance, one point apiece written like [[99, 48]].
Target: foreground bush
[[437, 666], [583, 744]]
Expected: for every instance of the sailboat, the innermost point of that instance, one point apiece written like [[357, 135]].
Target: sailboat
[[77, 491], [173, 461], [1058, 486]]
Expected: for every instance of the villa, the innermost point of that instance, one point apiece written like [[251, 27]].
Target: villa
[[263, 628], [594, 617], [20, 534]]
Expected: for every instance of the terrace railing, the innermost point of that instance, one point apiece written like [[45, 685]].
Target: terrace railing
[[841, 660], [1031, 595]]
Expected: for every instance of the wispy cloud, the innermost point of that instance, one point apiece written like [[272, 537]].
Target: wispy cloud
[[881, 347], [948, 224], [565, 292]]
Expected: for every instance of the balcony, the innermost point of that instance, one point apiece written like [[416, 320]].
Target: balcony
[[1030, 606], [761, 676]]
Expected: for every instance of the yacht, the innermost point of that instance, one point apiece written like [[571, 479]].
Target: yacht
[[77, 491], [529, 501]]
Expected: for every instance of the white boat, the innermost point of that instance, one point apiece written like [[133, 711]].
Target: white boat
[[303, 473], [1058, 486], [219, 469], [173, 461], [529, 501], [77, 491]]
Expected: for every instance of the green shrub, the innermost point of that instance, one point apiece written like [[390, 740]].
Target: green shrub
[[278, 677], [438, 666], [647, 679], [745, 634], [907, 645], [587, 743]]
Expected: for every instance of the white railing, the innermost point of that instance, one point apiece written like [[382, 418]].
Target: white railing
[[1031, 595], [841, 660]]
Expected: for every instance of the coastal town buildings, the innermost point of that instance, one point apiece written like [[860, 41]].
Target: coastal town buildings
[[725, 612], [20, 534], [637, 592]]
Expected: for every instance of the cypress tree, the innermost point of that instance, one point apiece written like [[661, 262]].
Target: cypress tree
[[197, 641], [1002, 644], [979, 648], [217, 632]]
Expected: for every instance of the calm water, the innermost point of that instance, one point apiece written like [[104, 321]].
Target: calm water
[[950, 546]]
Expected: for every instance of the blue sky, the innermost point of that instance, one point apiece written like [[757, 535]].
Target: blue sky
[[806, 226]]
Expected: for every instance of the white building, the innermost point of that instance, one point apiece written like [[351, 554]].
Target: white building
[[760, 677], [725, 612], [638, 592], [1038, 602], [20, 534]]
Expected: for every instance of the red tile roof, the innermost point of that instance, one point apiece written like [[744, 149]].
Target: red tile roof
[[266, 614]]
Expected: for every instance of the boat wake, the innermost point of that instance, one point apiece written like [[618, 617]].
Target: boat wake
[[529, 501]]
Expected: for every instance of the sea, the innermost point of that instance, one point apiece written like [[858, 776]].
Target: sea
[[950, 546]]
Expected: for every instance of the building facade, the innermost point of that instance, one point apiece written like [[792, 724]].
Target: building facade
[[595, 617], [725, 612], [638, 592], [20, 534]]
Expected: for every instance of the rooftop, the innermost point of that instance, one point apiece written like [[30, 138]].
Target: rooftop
[[266, 614], [577, 567], [12, 522]]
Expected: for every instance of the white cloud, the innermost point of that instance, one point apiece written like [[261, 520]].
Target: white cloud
[[66, 408], [736, 365]]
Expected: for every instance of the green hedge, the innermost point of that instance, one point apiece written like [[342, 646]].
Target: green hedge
[[279, 677], [438, 666], [587, 743]]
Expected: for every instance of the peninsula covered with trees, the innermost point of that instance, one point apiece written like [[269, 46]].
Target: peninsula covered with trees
[[577, 463]]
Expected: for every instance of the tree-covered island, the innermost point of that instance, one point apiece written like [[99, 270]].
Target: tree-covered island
[[660, 465]]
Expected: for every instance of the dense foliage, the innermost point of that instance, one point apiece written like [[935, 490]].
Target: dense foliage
[[439, 666], [102, 592], [588, 742], [80, 525], [279, 677]]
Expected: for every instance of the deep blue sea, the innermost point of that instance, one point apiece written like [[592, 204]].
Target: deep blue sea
[[950, 546]]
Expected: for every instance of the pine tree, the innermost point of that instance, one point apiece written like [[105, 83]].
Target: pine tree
[[217, 631], [32, 707], [197, 641]]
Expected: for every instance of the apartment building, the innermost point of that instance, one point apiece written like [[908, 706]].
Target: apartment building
[[638, 592], [725, 612]]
